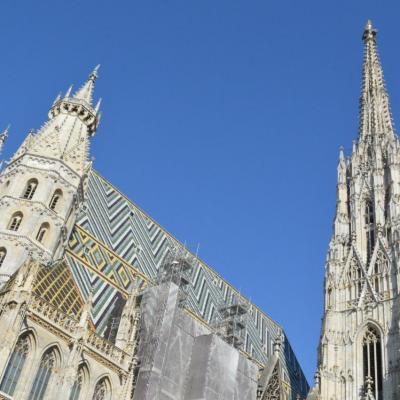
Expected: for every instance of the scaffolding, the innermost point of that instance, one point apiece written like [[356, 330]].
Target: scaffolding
[[177, 268], [230, 322]]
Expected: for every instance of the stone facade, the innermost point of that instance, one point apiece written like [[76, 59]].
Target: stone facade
[[42, 185], [98, 302], [359, 346], [71, 343]]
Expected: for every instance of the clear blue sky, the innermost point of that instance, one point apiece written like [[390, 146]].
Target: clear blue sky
[[222, 119]]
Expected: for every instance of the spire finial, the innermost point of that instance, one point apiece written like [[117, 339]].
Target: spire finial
[[86, 91], [3, 137], [68, 94], [4, 134], [369, 31], [375, 115], [57, 98], [97, 108], [341, 154], [278, 343], [95, 73]]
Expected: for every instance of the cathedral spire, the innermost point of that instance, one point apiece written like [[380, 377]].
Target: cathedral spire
[[362, 269], [85, 93], [375, 116], [73, 120]]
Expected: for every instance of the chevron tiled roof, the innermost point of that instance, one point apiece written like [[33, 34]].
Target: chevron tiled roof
[[115, 242]]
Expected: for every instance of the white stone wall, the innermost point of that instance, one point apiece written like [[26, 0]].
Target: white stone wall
[[57, 157], [36, 211]]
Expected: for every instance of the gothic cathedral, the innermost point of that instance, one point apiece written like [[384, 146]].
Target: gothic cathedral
[[99, 302], [359, 345]]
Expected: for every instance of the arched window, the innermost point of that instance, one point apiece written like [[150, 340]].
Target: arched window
[[3, 253], [30, 189], [369, 212], [43, 375], [42, 232], [55, 199], [15, 221], [372, 361], [15, 365], [78, 383], [370, 227], [102, 390], [356, 279]]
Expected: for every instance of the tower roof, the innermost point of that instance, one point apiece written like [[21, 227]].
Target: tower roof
[[65, 136], [375, 115], [85, 93]]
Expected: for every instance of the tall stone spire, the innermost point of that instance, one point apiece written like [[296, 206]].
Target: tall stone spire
[[359, 337], [72, 121], [44, 183], [375, 116], [85, 93]]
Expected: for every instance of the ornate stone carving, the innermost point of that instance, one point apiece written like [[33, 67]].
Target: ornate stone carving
[[273, 390]]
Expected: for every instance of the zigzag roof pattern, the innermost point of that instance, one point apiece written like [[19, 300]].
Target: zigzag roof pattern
[[115, 241]]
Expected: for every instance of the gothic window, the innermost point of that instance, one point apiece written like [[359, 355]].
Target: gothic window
[[101, 391], [43, 375], [30, 189], [372, 361], [78, 384], [370, 227], [15, 221], [356, 279], [387, 202], [55, 199], [3, 253], [15, 365], [330, 297], [44, 228]]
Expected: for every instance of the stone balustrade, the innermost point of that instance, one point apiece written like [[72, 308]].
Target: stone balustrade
[[70, 326], [53, 314], [99, 344]]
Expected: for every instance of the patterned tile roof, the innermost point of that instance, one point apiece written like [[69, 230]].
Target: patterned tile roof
[[115, 242]]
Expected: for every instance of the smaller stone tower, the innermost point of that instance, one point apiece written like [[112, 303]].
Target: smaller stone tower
[[42, 185]]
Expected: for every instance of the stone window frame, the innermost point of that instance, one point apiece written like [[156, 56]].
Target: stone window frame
[[15, 221], [30, 189], [56, 200]]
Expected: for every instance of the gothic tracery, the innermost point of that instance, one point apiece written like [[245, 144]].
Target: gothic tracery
[[273, 391], [367, 215]]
